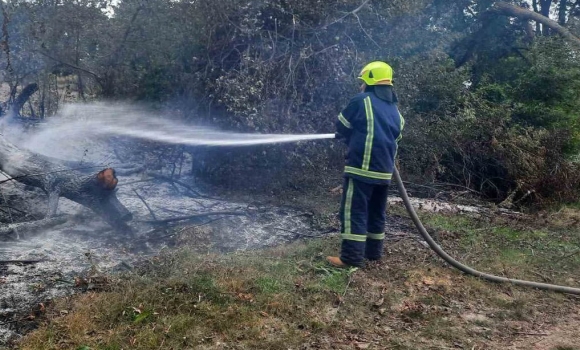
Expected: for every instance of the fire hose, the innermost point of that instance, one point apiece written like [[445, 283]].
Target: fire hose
[[456, 264]]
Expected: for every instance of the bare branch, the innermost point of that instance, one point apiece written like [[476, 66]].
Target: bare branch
[[20, 262], [506, 9], [32, 225], [195, 216], [172, 180], [351, 13], [95, 75], [146, 205]]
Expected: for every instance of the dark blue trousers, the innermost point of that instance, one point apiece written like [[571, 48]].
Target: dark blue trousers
[[362, 216]]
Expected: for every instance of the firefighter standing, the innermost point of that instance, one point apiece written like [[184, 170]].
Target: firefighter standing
[[372, 127]]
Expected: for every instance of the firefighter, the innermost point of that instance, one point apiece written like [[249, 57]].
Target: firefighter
[[372, 126]]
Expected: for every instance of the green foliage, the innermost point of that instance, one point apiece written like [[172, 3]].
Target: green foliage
[[513, 128], [548, 93]]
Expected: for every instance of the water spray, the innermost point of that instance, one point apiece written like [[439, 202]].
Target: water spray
[[79, 124]]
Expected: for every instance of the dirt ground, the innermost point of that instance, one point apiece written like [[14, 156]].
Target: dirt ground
[[564, 336]]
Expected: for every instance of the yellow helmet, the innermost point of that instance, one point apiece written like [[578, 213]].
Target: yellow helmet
[[377, 73]]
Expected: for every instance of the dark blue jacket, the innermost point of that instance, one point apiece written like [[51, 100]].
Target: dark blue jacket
[[372, 128]]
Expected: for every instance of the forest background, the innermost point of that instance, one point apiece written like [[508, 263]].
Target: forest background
[[490, 90]]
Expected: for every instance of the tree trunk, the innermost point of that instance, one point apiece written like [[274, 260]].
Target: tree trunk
[[515, 11], [21, 99], [537, 10], [95, 191], [545, 11], [562, 12]]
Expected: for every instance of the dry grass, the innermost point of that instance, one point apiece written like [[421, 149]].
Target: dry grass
[[287, 298]]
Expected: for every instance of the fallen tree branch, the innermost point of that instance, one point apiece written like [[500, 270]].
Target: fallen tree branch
[[94, 191], [15, 209], [195, 216], [173, 211], [175, 233], [568, 255], [135, 182], [146, 205], [23, 262], [32, 225], [24, 176], [172, 180], [129, 171], [155, 176]]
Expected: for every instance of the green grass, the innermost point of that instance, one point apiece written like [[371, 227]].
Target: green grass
[[337, 280], [269, 285], [498, 245]]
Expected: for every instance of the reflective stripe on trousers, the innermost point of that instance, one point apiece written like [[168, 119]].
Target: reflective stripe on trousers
[[362, 215]]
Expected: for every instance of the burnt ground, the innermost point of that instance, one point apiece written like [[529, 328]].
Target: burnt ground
[[78, 255]]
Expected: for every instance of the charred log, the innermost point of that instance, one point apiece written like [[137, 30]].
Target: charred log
[[94, 191]]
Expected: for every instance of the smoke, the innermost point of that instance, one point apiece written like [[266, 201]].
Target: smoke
[[10, 128]]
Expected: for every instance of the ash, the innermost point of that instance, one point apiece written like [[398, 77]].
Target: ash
[[72, 254]]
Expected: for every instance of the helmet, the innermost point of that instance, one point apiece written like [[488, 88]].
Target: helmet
[[377, 73]]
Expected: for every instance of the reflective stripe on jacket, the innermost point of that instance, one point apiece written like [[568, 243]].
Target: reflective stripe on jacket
[[372, 128]]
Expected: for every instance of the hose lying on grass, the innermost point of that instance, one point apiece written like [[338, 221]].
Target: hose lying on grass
[[460, 266]]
